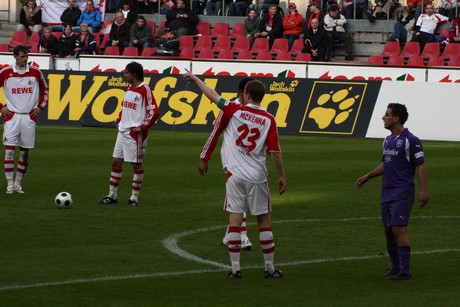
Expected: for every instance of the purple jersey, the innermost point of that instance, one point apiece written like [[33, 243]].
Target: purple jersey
[[401, 155]]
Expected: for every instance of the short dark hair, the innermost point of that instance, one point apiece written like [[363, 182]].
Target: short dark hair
[[136, 69], [399, 110], [256, 89], [140, 17], [243, 83], [21, 49]]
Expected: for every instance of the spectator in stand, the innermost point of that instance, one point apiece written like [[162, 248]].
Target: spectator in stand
[[119, 32], [403, 27], [271, 24], [454, 31], [348, 8], [380, 11], [416, 6], [86, 41], [315, 41], [30, 17], [145, 6], [239, 7], [334, 23], [292, 24], [313, 12], [90, 17], [215, 7], [68, 43], [48, 42], [251, 25], [70, 17], [426, 26], [141, 34], [448, 8], [180, 19], [129, 14], [263, 5]]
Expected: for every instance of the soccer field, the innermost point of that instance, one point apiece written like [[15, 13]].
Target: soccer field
[[167, 251]]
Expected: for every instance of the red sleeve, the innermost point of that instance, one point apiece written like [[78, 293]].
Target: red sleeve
[[221, 122], [273, 144], [151, 109], [43, 90]]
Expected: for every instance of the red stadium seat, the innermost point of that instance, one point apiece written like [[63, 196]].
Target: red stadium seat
[[280, 45], [225, 55], [396, 60], [187, 53], [390, 49], [112, 50], [148, 51], [186, 41], [203, 28], [455, 61], [297, 46], [264, 56], [130, 51], [106, 25], [241, 44], [415, 60], [18, 38], [431, 50], [444, 33], [206, 54], [151, 23], [244, 55], [222, 43], [105, 38], [436, 61], [161, 25], [237, 30], [451, 50], [34, 49], [303, 57], [260, 44], [203, 42], [410, 49], [375, 60], [34, 39], [220, 29], [4, 48], [284, 56]]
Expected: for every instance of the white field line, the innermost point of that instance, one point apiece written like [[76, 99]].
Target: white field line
[[171, 244]]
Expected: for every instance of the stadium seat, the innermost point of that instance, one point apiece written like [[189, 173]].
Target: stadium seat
[[57, 34], [303, 57], [260, 44], [18, 38], [241, 43], [186, 41], [106, 25], [244, 55], [415, 60], [222, 43], [375, 60], [264, 56], [151, 23], [34, 39], [130, 51], [203, 28], [148, 51], [455, 61], [187, 53], [237, 30], [396, 60], [410, 49], [436, 61], [225, 55], [206, 54], [431, 50], [444, 33], [451, 50], [112, 50], [390, 49], [203, 42], [161, 25], [280, 45], [105, 38], [220, 29], [4, 48], [297, 46], [284, 56], [34, 49]]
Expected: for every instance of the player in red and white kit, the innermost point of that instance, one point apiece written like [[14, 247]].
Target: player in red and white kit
[[251, 132], [139, 112], [219, 126], [26, 95]]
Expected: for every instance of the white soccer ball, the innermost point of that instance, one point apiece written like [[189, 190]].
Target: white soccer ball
[[63, 200]]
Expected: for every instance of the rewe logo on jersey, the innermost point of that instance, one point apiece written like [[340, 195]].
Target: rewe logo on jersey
[[333, 107]]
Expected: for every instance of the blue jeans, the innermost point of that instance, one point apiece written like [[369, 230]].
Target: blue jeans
[[213, 8], [400, 32]]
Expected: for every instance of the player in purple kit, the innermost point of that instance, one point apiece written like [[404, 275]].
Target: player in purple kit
[[402, 157], [250, 134]]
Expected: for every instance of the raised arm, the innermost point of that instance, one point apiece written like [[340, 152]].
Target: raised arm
[[207, 91]]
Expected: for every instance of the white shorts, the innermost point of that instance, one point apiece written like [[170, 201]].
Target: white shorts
[[242, 195], [130, 146], [19, 131]]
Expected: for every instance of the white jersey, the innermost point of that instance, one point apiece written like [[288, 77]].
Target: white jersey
[[251, 132], [430, 23]]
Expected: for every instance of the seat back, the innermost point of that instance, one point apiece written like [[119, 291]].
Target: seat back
[[148, 51], [455, 61], [375, 60], [390, 49], [415, 60], [187, 53], [186, 41], [18, 38], [297, 46], [431, 50], [284, 56], [264, 56], [112, 50], [4, 48], [280, 45], [203, 42], [203, 28], [222, 43], [225, 55], [130, 51], [260, 44], [436, 61], [244, 55], [241, 43], [237, 30], [206, 54], [396, 60], [303, 57], [451, 50], [411, 49], [220, 29]]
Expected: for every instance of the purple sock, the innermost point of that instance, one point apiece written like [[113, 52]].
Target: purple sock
[[393, 253], [404, 259]]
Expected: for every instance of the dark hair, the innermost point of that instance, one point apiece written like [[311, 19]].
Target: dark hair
[[140, 17], [136, 69], [399, 110], [21, 49], [243, 83], [256, 89]]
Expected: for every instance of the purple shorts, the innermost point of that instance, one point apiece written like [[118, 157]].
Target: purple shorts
[[396, 206]]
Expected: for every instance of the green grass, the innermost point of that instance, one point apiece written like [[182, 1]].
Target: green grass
[[329, 239]]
